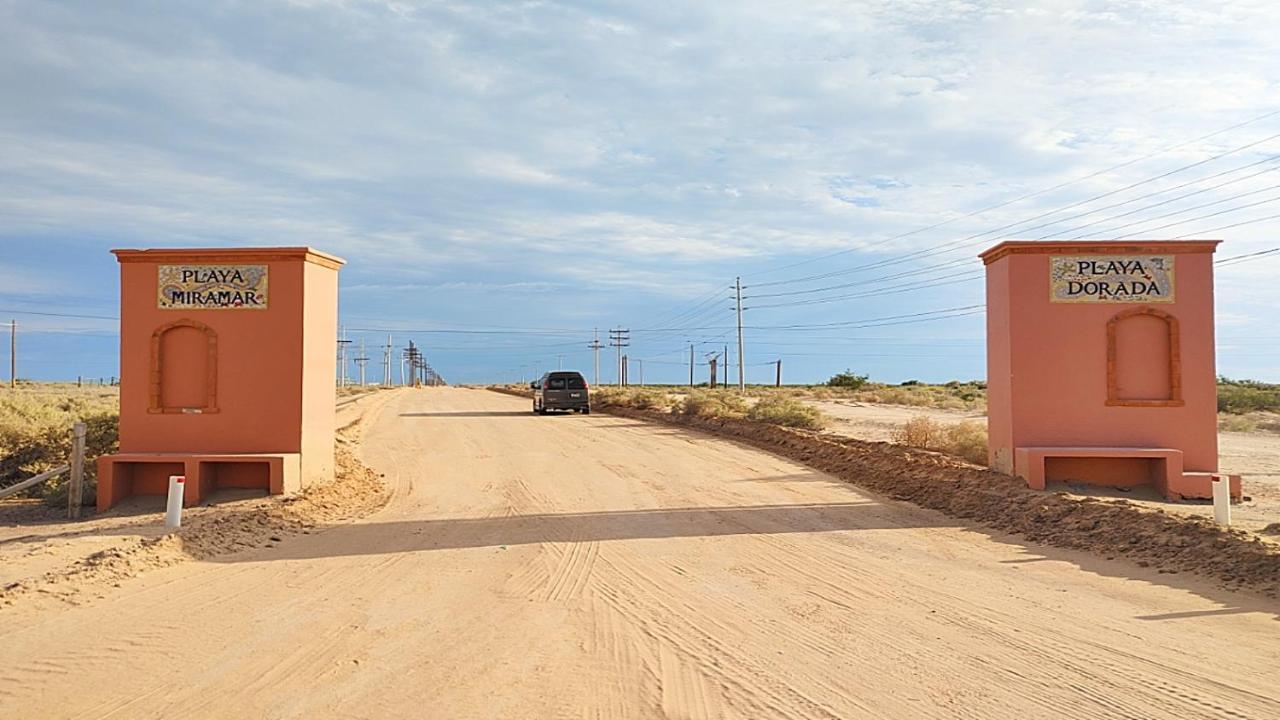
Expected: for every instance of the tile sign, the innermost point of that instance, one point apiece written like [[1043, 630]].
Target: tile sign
[[212, 287], [1111, 278]]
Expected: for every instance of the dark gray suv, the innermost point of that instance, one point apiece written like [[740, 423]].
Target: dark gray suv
[[561, 390]]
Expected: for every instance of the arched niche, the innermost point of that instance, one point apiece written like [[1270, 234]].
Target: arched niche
[[1144, 366], [184, 368]]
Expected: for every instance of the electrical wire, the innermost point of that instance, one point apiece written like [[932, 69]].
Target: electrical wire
[[1037, 193], [979, 238]]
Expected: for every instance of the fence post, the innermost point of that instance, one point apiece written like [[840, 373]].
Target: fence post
[[75, 490]]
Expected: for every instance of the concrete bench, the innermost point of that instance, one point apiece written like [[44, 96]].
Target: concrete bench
[[1117, 467], [127, 474]]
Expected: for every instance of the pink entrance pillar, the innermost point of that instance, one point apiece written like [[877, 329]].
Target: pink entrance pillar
[[227, 366], [1100, 363]]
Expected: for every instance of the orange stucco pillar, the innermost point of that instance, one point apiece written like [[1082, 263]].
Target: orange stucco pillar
[[1095, 347], [226, 369]]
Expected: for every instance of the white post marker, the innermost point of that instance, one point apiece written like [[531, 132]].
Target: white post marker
[[1222, 499], [173, 512]]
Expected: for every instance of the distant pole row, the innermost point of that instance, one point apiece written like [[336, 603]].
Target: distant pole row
[[414, 368]]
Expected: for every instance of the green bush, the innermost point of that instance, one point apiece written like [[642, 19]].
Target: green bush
[[787, 411], [1242, 396], [848, 379]]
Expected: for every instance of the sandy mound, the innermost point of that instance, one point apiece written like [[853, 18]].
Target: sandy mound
[[211, 531]]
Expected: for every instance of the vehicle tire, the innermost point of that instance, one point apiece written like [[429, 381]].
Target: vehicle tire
[[586, 411]]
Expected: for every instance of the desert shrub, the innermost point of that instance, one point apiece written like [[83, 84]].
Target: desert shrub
[[848, 379], [919, 431], [788, 412], [638, 398], [705, 403], [966, 440], [1242, 396], [648, 400], [607, 396], [909, 383]]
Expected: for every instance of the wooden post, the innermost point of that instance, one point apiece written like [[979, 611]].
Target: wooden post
[[778, 382], [75, 491]]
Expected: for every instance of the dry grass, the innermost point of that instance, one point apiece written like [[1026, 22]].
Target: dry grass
[[708, 403], [951, 396], [638, 398], [35, 432], [787, 412], [1237, 423], [966, 440]]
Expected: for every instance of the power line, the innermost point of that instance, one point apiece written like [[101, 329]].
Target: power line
[[978, 238], [1184, 196], [1236, 258], [1028, 196], [1201, 217], [964, 276], [61, 315], [1187, 209], [940, 314]]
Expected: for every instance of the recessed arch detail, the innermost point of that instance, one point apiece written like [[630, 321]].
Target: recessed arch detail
[[1122, 363], [199, 390]]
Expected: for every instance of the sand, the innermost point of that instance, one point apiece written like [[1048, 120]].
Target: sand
[[604, 567]]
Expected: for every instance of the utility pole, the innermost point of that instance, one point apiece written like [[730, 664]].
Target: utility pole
[[13, 354], [711, 359], [626, 363], [361, 361], [640, 363], [414, 358], [742, 382], [620, 338], [778, 382], [386, 363], [595, 348], [559, 362], [342, 358], [690, 364]]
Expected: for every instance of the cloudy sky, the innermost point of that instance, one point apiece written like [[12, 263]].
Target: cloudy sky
[[539, 169]]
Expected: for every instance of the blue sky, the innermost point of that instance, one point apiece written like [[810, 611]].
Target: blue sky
[[539, 169]]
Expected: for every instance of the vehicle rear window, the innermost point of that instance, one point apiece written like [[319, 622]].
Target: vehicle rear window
[[567, 381]]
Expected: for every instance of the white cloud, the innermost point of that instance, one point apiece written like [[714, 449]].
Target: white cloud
[[612, 145]]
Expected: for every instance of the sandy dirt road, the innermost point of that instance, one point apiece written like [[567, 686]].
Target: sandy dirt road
[[597, 567]]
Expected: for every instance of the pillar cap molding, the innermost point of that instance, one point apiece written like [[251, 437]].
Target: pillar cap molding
[[1097, 247], [229, 255]]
